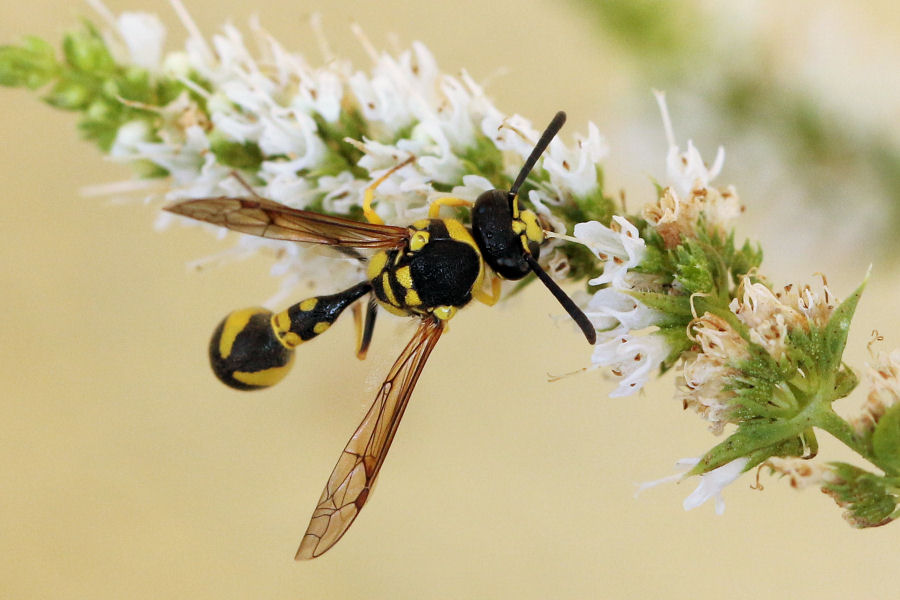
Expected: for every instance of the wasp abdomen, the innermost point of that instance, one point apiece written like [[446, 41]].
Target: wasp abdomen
[[308, 318], [245, 352], [254, 348]]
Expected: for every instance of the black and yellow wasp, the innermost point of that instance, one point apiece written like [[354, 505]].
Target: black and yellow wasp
[[427, 270]]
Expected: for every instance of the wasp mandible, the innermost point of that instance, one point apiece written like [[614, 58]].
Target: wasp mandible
[[427, 270]]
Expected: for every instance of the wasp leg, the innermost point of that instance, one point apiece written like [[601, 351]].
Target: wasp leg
[[434, 210], [364, 329], [492, 298], [369, 195]]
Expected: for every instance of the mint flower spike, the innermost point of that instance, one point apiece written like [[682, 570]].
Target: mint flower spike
[[652, 264], [316, 137], [668, 287]]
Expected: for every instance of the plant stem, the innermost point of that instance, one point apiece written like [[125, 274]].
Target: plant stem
[[827, 420]]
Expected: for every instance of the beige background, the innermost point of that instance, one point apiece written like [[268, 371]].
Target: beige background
[[127, 471]]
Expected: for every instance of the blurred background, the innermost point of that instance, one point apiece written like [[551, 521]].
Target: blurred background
[[128, 471]]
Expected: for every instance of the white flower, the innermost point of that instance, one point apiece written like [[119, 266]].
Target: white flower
[[320, 91], [609, 308], [686, 171], [298, 119], [688, 203], [144, 34], [575, 169], [620, 248], [711, 483], [631, 358]]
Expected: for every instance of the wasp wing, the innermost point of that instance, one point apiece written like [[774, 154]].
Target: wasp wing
[[351, 482], [265, 218]]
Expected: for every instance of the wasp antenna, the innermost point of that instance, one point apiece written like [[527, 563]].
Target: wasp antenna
[[567, 303], [549, 133]]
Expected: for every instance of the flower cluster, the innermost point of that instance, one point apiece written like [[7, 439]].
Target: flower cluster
[[667, 287], [310, 137]]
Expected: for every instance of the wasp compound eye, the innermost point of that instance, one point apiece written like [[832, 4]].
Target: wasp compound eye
[[246, 353], [492, 229]]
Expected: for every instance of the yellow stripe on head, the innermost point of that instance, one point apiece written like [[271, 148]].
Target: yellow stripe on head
[[533, 230]]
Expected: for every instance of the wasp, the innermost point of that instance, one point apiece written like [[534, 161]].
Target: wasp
[[427, 270]]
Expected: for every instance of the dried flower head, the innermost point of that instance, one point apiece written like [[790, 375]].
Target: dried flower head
[[801, 472], [707, 375], [883, 379]]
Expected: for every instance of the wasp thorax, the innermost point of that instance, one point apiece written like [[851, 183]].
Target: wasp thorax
[[246, 353], [502, 238]]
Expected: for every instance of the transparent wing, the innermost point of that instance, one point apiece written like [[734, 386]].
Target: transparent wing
[[265, 218], [351, 482]]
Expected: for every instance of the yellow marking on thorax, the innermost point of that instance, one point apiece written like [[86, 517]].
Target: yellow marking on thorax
[[234, 325], [388, 291], [404, 276], [418, 240], [412, 298], [394, 310], [444, 313], [459, 233], [376, 265]]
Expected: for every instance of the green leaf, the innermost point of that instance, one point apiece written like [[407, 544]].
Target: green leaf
[[744, 260], [758, 439], [582, 262], [676, 308], [678, 342], [835, 334], [32, 65], [886, 439], [69, 94], [845, 382], [595, 206], [656, 260], [86, 51], [485, 159], [238, 155], [693, 268]]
